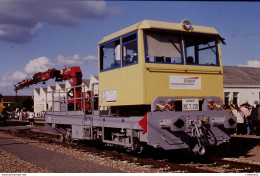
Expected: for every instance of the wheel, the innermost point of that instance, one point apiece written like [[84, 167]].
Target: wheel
[[62, 138], [138, 147], [68, 135]]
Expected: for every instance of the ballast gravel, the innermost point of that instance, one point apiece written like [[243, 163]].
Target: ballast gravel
[[13, 164]]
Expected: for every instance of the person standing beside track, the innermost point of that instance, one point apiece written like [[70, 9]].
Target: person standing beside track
[[247, 114], [258, 122], [240, 118], [31, 118], [20, 116], [254, 115]]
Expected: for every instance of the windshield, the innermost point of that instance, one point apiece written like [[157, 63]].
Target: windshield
[[201, 50], [163, 47]]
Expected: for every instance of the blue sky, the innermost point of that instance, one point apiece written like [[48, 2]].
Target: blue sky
[[40, 34]]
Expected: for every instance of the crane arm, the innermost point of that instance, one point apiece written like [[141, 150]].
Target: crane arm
[[59, 75]]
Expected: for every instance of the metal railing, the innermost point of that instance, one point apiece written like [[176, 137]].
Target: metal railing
[[65, 102]]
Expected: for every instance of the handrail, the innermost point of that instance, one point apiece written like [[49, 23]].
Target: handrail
[[181, 70], [61, 96]]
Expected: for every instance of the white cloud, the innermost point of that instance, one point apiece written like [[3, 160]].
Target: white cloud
[[19, 20], [74, 60], [5, 84], [16, 76], [252, 63], [6, 87], [40, 64]]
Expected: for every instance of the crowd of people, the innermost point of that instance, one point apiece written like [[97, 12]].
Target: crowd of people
[[248, 118], [21, 115]]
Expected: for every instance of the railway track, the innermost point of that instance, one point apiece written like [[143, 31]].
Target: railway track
[[174, 162]]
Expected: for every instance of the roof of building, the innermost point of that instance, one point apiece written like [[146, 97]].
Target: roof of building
[[241, 76], [96, 77], [86, 82], [37, 90], [62, 86], [53, 87], [45, 89], [11, 99]]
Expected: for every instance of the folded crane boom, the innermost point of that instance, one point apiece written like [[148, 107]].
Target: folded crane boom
[[59, 75], [37, 78], [69, 73]]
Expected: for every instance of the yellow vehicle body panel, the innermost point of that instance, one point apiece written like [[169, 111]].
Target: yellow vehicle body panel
[[139, 84], [128, 87], [157, 82]]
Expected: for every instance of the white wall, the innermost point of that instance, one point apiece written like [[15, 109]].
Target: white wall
[[245, 94], [49, 98], [39, 101], [92, 81], [36, 99]]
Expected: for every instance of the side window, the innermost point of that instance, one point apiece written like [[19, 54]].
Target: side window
[[226, 94], [130, 50], [201, 51], [235, 98], [110, 55], [122, 50]]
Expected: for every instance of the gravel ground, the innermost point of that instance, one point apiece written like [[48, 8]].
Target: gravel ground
[[253, 156], [12, 164]]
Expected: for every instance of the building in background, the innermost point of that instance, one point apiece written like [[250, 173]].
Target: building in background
[[241, 85], [10, 103]]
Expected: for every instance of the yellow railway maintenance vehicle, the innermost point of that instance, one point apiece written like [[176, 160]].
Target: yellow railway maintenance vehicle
[[1, 103], [160, 85], [173, 72]]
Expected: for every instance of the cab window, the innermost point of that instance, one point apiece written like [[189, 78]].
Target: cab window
[[201, 50], [110, 55], [119, 52], [163, 47], [130, 50]]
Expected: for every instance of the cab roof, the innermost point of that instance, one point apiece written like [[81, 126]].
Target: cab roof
[[151, 24]]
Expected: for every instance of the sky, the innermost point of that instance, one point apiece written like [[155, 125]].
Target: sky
[[39, 34]]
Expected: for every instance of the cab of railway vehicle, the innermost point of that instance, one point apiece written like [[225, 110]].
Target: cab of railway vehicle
[[159, 59]]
